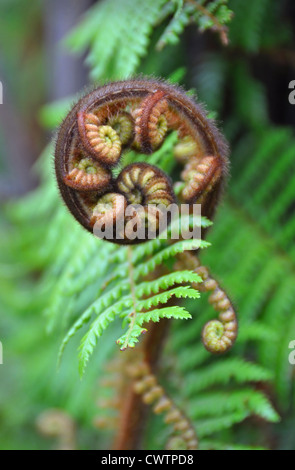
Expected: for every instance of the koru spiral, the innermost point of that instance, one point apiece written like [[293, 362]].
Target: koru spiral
[[138, 115]]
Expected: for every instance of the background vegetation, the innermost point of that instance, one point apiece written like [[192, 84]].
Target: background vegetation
[[239, 58]]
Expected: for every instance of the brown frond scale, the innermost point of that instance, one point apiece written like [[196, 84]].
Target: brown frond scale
[[151, 123], [150, 188], [87, 201], [186, 149], [123, 124], [177, 123], [101, 141], [200, 176], [85, 174], [146, 385], [218, 336], [108, 208], [145, 184]]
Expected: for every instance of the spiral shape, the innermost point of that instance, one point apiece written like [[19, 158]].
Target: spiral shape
[[85, 174], [108, 209], [145, 184], [151, 123], [200, 176], [149, 188], [187, 148], [218, 336], [123, 124], [101, 141], [56, 423], [136, 114]]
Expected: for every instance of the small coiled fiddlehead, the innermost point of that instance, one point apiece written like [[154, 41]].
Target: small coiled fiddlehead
[[218, 336]]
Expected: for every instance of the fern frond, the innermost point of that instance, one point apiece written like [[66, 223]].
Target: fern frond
[[210, 426], [169, 252], [97, 307], [163, 282], [130, 338], [162, 298], [89, 341], [225, 371], [217, 403], [218, 445], [117, 34], [254, 25], [111, 304], [181, 18], [179, 313], [206, 15]]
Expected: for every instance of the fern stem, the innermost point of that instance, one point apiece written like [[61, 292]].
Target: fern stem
[[134, 412], [133, 295]]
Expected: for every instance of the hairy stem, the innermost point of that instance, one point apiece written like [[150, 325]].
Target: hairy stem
[[133, 295], [134, 412]]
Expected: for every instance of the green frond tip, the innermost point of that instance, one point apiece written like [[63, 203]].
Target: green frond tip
[[212, 425], [117, 300], [130, 338], [89, 341], [103, 302]]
